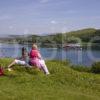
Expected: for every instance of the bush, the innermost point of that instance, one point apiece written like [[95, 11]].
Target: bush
[[81, 68], [96, 67]]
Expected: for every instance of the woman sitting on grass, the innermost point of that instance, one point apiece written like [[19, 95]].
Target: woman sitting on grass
[[36, 59], [22, 61]]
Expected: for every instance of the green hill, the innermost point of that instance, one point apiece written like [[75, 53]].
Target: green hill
[[85, 35], [63, 83], [57, 39]]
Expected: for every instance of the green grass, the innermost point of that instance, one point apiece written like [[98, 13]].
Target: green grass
[[63, 83]]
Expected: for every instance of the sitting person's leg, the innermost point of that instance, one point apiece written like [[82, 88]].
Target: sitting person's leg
[[21, 62], [12, 63], [16, 62], [44, 67], [39, 63]]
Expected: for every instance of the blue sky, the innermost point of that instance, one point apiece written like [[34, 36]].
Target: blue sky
[[47, 16]]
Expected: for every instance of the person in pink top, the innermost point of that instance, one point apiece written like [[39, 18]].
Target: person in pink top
[[36, 59]]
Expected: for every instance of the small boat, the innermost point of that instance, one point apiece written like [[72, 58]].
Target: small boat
[[72, 46]]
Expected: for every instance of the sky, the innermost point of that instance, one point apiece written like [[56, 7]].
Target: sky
[[47, 16]]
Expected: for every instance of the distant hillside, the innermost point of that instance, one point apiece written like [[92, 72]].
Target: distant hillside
[[85, 35]]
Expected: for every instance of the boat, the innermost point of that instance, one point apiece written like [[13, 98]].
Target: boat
[[72, 46]]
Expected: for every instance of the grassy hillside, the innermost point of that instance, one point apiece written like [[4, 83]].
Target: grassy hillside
[[57, 39], [85, 35], [64, 83]]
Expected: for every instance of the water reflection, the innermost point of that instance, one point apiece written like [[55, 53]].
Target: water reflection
[[75, 56]]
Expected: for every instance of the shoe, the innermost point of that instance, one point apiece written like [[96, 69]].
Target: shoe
[[9, 69], [47, 73]]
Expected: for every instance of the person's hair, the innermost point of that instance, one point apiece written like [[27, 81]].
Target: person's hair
[[34, 46], [23, 50]]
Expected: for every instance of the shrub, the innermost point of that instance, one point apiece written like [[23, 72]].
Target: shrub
[[96, 67], [81, 68]]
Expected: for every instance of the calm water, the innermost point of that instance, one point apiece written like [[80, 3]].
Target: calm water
[[81, 57]]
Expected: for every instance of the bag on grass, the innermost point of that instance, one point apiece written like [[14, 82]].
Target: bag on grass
[[1, 71]]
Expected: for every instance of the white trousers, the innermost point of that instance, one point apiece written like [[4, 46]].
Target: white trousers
[[43, 65]]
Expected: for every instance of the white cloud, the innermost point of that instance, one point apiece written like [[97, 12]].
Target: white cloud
[[26, 31], [53, 22], [5, 17], [71, 11], [11, 27], [44, 1]]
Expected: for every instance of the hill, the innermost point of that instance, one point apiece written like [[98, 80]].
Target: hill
[[63, 83], [84, 35]]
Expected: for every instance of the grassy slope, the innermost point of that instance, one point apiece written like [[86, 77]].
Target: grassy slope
[[63, 84]]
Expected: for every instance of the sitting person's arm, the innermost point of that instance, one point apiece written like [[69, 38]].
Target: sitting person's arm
[[18, 58], [39, 56]]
